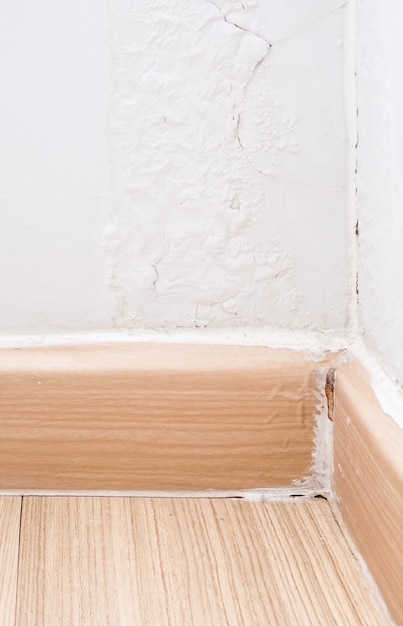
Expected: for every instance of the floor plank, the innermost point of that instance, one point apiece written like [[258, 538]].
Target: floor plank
[[10, 512], [121, 561]]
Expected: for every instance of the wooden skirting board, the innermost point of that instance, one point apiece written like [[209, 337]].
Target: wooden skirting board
[[368, 480], [159, 417]]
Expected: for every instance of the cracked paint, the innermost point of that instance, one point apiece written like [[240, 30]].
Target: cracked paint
[[201, 148], [174, 164]]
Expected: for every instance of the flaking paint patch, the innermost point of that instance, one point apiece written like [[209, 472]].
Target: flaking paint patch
[[189, 192], [225, 156]]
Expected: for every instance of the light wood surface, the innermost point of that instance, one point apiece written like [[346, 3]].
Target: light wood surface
[[156, 417], [368, 477], [10, 512], [120, 561]]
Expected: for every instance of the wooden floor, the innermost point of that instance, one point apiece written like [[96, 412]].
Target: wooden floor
[[126, 561]]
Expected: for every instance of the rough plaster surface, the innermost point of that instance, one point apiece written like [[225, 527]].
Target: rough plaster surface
[[380, 180], [187, 168]]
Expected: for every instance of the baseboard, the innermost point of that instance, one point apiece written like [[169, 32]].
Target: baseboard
[[149, 417], [368, 480]]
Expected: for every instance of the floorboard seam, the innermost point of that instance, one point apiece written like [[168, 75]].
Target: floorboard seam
[[18, 562]]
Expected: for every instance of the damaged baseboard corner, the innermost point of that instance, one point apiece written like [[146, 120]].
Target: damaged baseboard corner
[[319, 481]]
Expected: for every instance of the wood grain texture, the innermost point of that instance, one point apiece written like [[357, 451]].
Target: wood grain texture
[[155, 417], [368, 480], [10, 512], [121, 561]]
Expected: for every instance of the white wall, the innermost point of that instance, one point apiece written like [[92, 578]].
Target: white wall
[[380, 179], [170, 164], [54, 185]]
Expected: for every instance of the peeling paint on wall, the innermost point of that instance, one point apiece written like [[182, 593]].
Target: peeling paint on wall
[[196, 138], [173, 164]]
